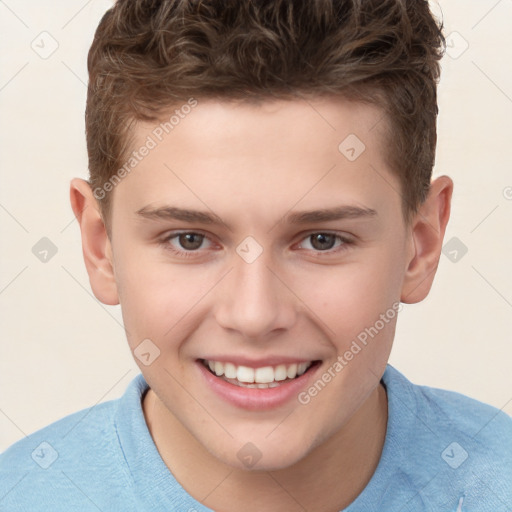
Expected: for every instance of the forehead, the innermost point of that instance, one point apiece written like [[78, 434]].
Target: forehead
[[269, 155], [218, 125]]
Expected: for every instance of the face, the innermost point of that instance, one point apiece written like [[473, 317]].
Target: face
[[221, 262]]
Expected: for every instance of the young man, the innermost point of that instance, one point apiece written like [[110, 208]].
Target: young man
[[260, 203]]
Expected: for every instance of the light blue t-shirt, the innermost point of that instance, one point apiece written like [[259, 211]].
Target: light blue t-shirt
[[443, 452]]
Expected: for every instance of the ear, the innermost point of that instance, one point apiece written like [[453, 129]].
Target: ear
[[96, 246], [427, 234]]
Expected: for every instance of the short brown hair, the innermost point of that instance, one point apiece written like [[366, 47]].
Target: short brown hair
[[150, 54]]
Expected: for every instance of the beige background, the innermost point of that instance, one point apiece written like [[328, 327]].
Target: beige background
[[61, 350]]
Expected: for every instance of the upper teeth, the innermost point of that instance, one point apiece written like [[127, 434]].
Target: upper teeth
[[261, 375]]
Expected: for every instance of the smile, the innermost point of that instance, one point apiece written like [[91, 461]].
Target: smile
[[263, 377]]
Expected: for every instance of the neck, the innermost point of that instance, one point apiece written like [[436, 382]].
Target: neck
[[329, 478]]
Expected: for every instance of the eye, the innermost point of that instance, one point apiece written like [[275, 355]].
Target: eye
[[190, 241], [325, 242], [186, 243]]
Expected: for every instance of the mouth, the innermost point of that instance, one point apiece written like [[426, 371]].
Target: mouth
[[263, 377]]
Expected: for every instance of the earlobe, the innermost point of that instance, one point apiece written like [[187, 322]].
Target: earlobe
[[96, 246], [427, 234]]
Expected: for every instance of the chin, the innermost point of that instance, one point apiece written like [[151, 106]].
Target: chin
[[262, 455]]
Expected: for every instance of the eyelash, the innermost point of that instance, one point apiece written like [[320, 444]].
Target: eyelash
[[165, 243]]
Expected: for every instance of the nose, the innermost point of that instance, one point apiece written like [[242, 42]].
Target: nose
[[254, 299]]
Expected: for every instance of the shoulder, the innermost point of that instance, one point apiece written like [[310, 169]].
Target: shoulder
[[75, 435], [77, 457], [482, 422], [449, 444], [448, 411]]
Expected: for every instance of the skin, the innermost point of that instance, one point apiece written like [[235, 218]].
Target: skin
[[252, 165]]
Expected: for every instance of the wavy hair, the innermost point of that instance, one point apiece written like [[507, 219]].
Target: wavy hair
[[148, 55]]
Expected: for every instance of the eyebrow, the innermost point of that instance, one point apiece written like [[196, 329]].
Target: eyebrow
[[305, 217]]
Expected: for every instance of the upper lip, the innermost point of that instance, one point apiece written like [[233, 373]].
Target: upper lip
[[258, 363]]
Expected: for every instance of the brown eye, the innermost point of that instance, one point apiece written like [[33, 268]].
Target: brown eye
[[325, 244], [187, 244], [322, 241], [190, 241]]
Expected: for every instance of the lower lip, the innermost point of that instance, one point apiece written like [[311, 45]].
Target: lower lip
[[255, 399]]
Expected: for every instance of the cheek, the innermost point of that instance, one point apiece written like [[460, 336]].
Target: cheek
[[149, 296], [350, 298], [158, 300]]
